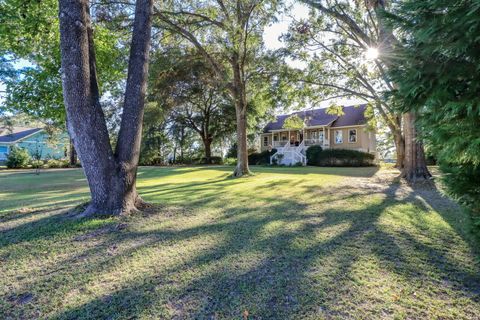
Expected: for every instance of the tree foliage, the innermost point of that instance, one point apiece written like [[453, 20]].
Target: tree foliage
[[228, 35], [293, 122], [30, 40], [333, 41], [437, 71]]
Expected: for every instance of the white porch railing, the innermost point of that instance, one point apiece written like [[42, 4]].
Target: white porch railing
[[279, 144], [290, 155], [313, 142]]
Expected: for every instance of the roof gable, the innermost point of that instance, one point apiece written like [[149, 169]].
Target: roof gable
[[353, 116], [16, 134]]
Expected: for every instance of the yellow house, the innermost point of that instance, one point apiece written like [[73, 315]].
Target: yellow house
[[347, 131]]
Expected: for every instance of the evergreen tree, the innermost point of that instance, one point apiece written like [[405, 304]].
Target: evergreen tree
[[437, 72]]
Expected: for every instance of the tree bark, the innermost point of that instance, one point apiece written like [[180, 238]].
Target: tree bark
[[239, 94], [399, 148], [415, 167], [111, 176], [207, 143]]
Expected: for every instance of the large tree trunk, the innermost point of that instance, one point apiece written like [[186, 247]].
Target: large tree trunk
[[242, 150], [207, 143], [239, 94], [111, 177], [415, 167]]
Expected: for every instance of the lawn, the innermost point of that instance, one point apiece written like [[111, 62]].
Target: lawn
[[286, 243]]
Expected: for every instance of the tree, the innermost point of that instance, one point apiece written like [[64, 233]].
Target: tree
[[155, 141], [293, 122], [32, 38], [385, 46], [184, 87], [228, 34], [339, 45], [436, 70], [111, 175]]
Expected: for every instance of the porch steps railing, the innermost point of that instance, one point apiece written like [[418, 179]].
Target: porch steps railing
[[290, 155]]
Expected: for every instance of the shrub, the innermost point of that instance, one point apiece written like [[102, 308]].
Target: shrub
[[37, 163], [313, 153], [261, 158], [340, 158], [461, 181], [52, 163], [230, 161], [17, 158], [213, 160]]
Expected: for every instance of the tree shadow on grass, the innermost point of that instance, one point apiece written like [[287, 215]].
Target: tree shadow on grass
[[285, 260], [307, 267]]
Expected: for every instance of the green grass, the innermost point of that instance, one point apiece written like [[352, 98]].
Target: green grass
[[286, 243]]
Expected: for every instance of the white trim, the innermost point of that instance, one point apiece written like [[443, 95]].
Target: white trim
[[318, 127], [359, 125]]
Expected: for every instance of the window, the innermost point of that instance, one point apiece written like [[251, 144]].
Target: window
[[338, 136], [320, 137], [352, 135], [265, 141]]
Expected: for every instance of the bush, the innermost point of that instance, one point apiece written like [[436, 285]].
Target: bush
[[461, 181], [230, 161], [340, 158], [261, 158], [52, 163], [213, 160], [17, 158], [313, 153], [37, 163]]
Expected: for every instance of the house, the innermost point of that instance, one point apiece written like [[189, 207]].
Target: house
[[346, 131], [35, 140]]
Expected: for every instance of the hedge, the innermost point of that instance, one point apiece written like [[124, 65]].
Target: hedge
[[260, 158], [213, 160], [338, 157]]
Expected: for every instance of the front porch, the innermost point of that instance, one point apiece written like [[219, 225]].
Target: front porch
[[291, 138], [291, 145]]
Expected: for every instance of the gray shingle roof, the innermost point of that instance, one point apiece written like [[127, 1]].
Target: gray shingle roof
[[7, 136], [353, 115]]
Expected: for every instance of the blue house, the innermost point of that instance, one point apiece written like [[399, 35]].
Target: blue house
[[35, 140]]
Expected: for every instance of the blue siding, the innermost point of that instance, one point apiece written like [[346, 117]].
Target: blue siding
[[3, 152], [39, 143]]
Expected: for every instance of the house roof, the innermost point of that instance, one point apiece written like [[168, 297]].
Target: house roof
[[11, 135], [353, 116]]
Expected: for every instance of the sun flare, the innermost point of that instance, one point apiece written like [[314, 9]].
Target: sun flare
[[372, 53]]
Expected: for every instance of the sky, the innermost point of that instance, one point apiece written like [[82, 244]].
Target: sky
[[274, 31]]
